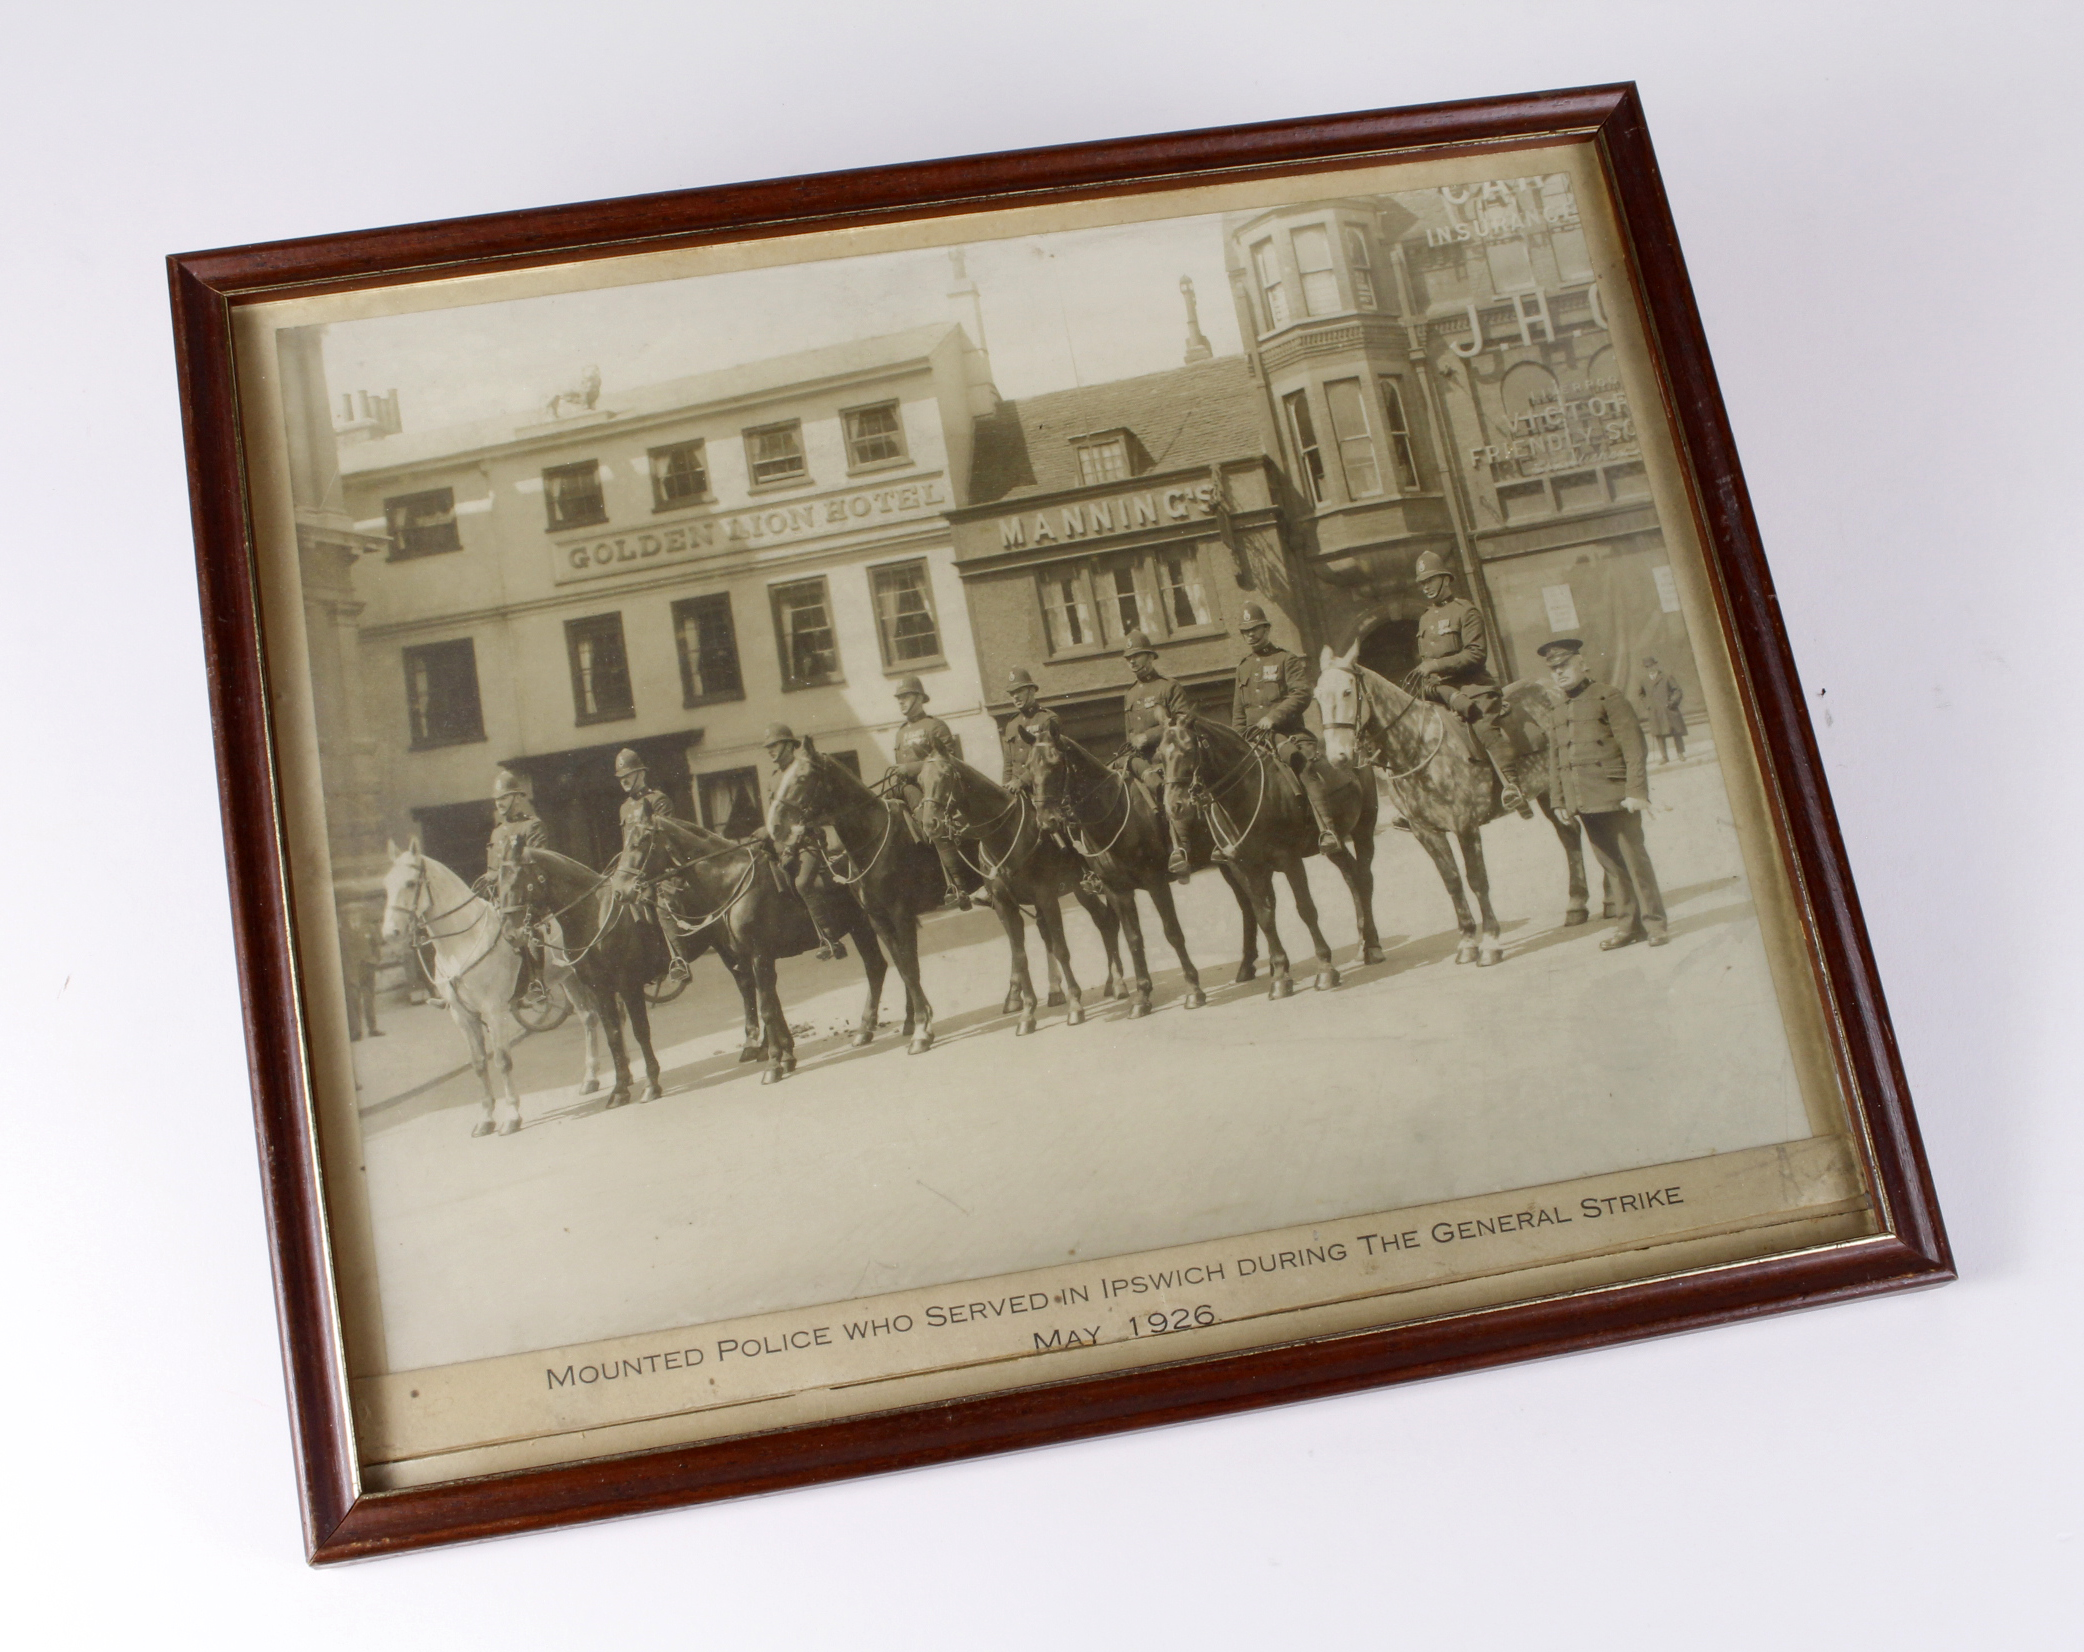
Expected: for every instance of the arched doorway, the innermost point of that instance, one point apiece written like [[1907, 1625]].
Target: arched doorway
[[1390, 648]]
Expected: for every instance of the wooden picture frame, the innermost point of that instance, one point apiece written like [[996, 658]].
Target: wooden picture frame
[[344, 1518]]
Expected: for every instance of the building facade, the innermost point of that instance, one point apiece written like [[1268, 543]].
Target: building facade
[[670, 570], [1440, 375], [1146, 504]]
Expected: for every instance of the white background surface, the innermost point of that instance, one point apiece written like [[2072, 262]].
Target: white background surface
[[1878, 204]]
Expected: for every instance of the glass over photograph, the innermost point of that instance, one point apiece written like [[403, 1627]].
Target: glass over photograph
[[891, 814]]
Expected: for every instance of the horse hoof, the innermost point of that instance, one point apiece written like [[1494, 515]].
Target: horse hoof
[[774, 1075], [1196, 999], [1489, 956], [1373, 955], [920, 1045], [1025, 1026], [484, 1128], [1465, 953], [862, 1039], [617, 1098], [1056, 1000], [651, 1092], [1283, 988], [751, 1052], [1327, 978], [588, 1088], [509, 1127], [1575, 916], [1139, 1009], [1076, 1017], [1011, 1005], [1245, 972]]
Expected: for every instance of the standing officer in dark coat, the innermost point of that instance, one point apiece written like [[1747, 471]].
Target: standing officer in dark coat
[[1663, 708], [1273, 692], [919, 737], [1596, 773], [1150, 702], [1454, 658], [643, 800], [804, 857]]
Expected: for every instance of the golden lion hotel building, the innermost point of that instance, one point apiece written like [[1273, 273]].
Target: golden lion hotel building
[[669, 569]]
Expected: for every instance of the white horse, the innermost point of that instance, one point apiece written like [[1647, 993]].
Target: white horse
[[475, 969]]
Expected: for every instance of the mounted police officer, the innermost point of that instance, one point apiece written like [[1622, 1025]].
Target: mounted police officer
[[1151, 700], [641, 801], [804, 856], [1273, 692], [516, 825], [1453, 658], [919, 737]]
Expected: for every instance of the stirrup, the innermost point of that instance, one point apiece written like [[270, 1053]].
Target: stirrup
[[955, 900], [1400, 823], [1513, 798], [678, 970]]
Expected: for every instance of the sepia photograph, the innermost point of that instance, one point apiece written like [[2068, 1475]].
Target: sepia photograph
[[904, 816]]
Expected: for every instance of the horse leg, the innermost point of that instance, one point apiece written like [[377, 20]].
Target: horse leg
[[1049, 918], [473, 1031], [1008, 909], [781, 1043], [1130, 921], [903, 940], [1572, 837], [1259, 882], [640, 1024], [1055, 998], [502, 1033], [1490, 948], [1160, 892], [618, 1052], [742, 978], [876, 968], [1248, 950], [1442, 852], [1360, 881], [1298, 875], [1107, 919], [589, 1016]]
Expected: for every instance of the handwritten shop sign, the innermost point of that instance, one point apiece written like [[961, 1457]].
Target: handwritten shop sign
[[748, 530]]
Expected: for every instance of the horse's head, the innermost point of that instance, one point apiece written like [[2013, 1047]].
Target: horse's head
[[647, 850], [405, 889], [802, 798], [940, 794], [1049, 773], [1340, 703], [524, 887]]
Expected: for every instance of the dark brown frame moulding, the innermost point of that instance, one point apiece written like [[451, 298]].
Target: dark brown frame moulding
[[1910, 1250]]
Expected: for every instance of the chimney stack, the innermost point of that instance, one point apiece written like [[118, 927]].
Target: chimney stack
[[969, 314], [1198, 346], [366, 417]]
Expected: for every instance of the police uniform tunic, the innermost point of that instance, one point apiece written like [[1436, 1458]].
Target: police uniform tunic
[[1146, 709], [1275, 685], [924, 738], [1017, 739], [526, 830], [661, 806], [1451, 636]]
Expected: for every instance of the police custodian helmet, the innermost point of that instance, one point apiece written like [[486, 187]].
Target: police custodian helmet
[[912, 685], [628, 762], [779, 734], [1252, 617], [1431, 566], [507, 784], [1019, 677], [1137, 642]]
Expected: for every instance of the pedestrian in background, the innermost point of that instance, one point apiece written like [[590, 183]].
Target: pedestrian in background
[[1596, 774], [358, 947], [1663, 703]]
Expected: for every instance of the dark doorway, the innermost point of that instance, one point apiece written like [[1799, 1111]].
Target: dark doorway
[[1391, 649], [456, 834]]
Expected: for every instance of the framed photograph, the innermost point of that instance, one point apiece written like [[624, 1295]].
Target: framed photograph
[[906, 813]]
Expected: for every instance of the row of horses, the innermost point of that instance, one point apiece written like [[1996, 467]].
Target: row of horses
[[1080, 827]]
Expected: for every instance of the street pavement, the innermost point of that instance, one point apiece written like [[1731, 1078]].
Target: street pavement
[[873, 1170]]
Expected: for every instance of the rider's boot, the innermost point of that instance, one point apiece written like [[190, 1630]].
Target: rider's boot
[[1497, 746], [1313, 788], [956, 897], [1177, 866]]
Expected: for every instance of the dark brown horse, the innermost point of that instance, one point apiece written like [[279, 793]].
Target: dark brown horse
[[1113, 823], [603, 935], [1443, 784], [733, 897], [1021, 867], [1254, 807], [894, 875]]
